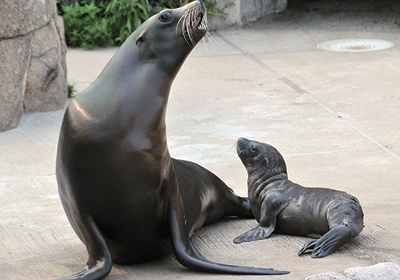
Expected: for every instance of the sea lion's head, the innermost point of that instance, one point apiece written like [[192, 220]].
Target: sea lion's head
[[168, 37], [259, 158]]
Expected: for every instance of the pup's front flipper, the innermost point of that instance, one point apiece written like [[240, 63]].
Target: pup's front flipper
[[271, 207], [329, 243], [257, 233]]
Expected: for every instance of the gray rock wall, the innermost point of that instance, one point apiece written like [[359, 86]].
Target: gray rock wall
[[245, 11], [33, 74]]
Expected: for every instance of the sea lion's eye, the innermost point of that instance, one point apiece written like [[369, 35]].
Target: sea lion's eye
[[253, 148], [165, 16]]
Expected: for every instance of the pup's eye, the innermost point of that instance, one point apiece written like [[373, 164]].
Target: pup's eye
[[165, 16], [253, 148]]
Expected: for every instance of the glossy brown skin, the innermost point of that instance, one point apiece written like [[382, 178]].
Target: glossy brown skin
[[125, 197], [282, 206]]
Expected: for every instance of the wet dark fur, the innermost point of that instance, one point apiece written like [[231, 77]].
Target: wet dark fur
[[125, 197], [282, 206]]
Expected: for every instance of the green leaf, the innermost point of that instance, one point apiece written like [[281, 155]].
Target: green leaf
[[128, 25]]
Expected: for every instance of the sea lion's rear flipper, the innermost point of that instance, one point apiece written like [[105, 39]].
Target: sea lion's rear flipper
[[100, 262], [331, 241], [308, 245], [328, 243], [188, 255]]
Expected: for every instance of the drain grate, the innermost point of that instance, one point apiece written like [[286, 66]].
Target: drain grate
[[355, 45]]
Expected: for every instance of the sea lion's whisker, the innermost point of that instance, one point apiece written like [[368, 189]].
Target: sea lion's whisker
[[181, 20], [193, 18], [211, 39]]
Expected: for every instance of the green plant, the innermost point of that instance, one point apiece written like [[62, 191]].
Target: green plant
[[212, 8], [85, 25], [71, 91], [124, 16], [95, 23], [90, 23]]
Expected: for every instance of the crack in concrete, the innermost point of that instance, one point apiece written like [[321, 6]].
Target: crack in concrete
[[27, 178]]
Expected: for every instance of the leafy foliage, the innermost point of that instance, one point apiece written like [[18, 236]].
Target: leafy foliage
[[212, 9], [85, 25], [124, 16], [95, 23], [90, 23], [71, 91]]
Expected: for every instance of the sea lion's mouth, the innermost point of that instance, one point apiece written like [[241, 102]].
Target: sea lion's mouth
[[194, 20], [197, 21]]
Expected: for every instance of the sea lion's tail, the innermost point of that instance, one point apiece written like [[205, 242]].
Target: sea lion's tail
[[100, 261], [188, 255]]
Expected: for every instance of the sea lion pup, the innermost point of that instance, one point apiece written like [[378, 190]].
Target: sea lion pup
[[125, 197], [282, 206]]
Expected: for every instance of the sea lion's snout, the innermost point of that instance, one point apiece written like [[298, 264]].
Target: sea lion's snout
[[240, 146], [196, 16], [245, 149], [194, 22]]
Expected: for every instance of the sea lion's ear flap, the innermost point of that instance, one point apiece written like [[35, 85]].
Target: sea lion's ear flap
[[140, 38], [266, 161]]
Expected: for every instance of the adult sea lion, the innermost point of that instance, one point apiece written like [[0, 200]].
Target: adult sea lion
[[282, 206], [125, 197]]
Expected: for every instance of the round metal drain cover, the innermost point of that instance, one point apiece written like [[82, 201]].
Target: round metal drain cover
[[355, 45]]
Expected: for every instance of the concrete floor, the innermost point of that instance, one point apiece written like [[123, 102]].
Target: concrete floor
[[334, 116]]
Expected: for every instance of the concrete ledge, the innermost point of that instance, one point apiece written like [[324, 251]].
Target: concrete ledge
[[241, 12]]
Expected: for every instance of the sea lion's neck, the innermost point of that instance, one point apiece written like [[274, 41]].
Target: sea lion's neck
[[260, 180], [131, 104], [132, 88]]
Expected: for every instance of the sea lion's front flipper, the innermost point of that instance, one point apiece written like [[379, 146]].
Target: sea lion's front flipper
[[188, 255], [271, 206], [331, 241], [257, 233], [100, 261]]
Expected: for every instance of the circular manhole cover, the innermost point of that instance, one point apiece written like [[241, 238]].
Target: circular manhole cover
[[355, 45]]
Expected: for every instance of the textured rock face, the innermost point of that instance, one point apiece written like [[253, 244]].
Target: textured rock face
[[21, 17], [46, 87], [14, 61], [32, 59], [386, 270], [241, 12]]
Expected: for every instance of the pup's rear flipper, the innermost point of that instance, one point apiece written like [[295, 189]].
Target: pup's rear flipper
[[329, 243], [309, 245]]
